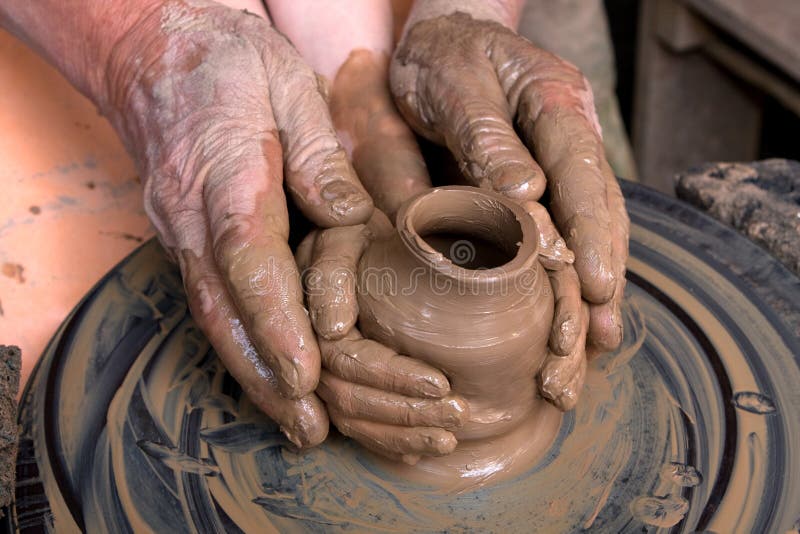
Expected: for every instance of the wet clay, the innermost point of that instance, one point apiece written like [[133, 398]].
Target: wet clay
[[460, 287]]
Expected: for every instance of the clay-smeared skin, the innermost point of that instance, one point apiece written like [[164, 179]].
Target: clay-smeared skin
[[397, 406], [384, 152], [390, 165], [383, 399], [215, 106], [467, 82]]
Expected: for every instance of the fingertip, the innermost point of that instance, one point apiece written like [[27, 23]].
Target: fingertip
[[347, 203], [519, 181], [549, 384], [334, 321], [340, 202], [564, 333], [438, 442], [566, 401], [433, 385], [598, 281], [310, 426], [456, 412], [295, 376], [605, 328]]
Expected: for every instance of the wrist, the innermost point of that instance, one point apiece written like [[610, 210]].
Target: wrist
[[505, 12]]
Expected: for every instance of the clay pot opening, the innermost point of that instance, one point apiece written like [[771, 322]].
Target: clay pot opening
[[463, 231]]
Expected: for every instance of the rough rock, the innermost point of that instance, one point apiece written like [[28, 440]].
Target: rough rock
[[10, 365], [761, 199]]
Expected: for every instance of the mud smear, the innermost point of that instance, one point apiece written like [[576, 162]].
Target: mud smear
[[15, 271]]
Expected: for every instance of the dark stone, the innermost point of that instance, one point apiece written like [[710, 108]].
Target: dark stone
[[761, 199], [10, 365]]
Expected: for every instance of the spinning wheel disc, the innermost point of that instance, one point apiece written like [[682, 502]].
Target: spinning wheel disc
[[130, 422]]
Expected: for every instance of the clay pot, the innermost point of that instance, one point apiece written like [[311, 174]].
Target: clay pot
[[458, 285]]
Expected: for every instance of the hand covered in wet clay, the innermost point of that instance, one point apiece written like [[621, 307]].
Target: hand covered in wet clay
[[463, 78], [216, 107], [390, 165], [394, 405]]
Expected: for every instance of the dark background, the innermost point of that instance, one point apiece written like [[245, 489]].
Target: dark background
[[780, 136]]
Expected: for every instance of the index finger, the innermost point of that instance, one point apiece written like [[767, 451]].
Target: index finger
[[249, 226], [304, 421]]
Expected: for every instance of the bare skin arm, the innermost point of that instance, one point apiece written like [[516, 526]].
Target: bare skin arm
[[199, 92]]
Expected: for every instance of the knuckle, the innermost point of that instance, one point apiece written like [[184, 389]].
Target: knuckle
[[205, 294], [316, 148], [233, 234], [338, 361]]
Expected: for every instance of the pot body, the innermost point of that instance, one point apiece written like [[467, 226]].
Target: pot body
[[485, 328]]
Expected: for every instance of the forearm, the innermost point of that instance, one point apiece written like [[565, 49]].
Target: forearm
[[77, 37], [326, 33], [506, 12]]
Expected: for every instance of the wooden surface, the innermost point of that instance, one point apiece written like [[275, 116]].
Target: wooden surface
[[697, 96], [687, 109], [771, 27]]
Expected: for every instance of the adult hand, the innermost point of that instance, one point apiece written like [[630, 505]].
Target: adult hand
[[466, 82], [215, 105], [394, 405]]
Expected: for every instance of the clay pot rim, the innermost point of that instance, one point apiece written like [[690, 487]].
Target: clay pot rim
[[524, 260]]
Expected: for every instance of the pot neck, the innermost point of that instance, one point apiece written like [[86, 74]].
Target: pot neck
[[472, 218]]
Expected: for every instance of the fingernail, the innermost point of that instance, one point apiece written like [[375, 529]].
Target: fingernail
[[547, 387], [439, 441], [435, 386], [346, 201], [456, 412], [287, 376], [294, 438], [562, 252], [334, 321], [554, 254], [519, 182]]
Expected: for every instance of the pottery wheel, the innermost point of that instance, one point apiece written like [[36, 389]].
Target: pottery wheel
[[132, 424]]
